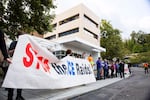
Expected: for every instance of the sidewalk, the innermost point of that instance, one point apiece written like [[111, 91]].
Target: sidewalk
[[60, 94]]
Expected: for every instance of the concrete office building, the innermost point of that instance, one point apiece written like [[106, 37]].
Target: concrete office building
[[76, 29]]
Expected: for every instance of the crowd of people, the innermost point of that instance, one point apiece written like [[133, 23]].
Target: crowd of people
[[109, 68]]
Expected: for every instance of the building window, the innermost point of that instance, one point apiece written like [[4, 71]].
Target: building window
[[51, 37], [60, 54], [68, 32], [69, 19], [90, 21], [76, 55], [91, 33], [54, 26]]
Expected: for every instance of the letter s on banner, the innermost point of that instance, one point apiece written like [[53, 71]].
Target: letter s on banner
[[28, 63]]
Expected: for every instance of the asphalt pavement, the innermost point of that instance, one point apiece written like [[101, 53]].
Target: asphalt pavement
[[135, 87], [61, 94]]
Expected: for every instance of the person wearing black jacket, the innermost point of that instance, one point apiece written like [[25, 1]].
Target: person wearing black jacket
[[3, 45], [4, 52], [121, 69]]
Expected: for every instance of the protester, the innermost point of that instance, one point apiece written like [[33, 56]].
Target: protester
[[112, 67], [129, 67], [4, 54], [109, 69], [105, 67], [90, 59], [10, 90], [99, 67], [116, 68], [68, 52], [3, 45], [121, 69]]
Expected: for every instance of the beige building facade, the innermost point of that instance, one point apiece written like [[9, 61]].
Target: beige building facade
[[76, 29]]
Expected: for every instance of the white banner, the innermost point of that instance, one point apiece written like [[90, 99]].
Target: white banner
[[35, 67]]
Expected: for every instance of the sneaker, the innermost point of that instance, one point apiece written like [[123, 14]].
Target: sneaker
[[19, 98]]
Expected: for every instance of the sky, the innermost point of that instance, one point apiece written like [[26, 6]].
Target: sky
[[125, 15]]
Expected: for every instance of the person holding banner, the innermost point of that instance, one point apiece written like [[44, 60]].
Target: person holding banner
[[3, 46], [90, 59], [10, 90], [3, 53]]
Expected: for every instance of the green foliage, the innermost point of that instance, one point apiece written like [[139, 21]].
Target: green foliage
[[137, 48], [2, 11], [141, 58], [140, 44], [128, 44], [26, 15], [111, 40]]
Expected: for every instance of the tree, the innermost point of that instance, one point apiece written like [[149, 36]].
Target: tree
[[139, 44], [111, 40], [2, 8], [26, 15], [141, 58], [129, 44]]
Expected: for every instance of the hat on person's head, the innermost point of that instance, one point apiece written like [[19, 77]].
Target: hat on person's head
[[68, 51]]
